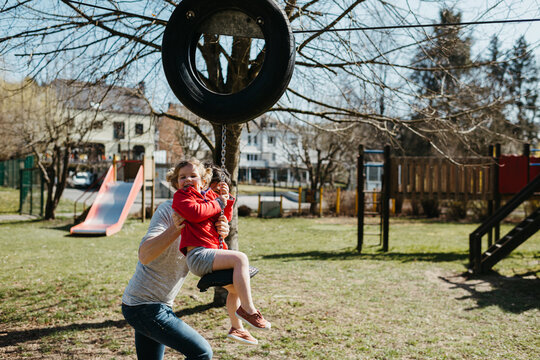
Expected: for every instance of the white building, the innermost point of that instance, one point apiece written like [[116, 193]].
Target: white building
[[120, 119], [265, 154]]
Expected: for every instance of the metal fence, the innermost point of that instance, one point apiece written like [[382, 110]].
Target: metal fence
[[21, 174], [31, 192], [10, 171]]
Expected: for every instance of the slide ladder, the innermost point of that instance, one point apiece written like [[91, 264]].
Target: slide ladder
[[481, 263]]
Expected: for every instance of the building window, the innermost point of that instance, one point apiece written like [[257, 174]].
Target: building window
[[273, 157], [255, 139], [271, 140], [249, 139], [252, 157], [97, 125], [138, 129], [118, 130]]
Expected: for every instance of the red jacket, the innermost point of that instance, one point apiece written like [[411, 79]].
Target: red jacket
[[201, 212]]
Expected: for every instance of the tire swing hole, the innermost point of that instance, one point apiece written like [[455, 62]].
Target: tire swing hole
[[222, 31]]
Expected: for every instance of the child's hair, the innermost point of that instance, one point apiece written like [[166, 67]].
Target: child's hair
[[217, 173], [204, 172]]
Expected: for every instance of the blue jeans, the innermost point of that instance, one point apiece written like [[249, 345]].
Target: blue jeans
[[156, 326]]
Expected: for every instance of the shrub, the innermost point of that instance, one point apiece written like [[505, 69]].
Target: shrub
[[479, 210], [456, 210], [347, 202], [244, 210], [431, 208]]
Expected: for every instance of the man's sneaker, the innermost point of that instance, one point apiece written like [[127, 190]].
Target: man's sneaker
[[243, 336], [255, 320]]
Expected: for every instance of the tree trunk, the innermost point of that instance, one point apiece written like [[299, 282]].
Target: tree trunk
[[57, 172]]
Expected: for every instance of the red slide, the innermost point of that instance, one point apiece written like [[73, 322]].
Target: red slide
[[111, 207]]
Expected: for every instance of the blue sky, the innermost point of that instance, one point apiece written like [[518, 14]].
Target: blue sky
[[413, 11]]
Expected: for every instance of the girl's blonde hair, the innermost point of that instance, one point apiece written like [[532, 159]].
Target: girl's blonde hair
[[204, 172]]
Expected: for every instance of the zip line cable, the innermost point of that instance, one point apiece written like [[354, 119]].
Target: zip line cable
[[418, 26], [364, 28]]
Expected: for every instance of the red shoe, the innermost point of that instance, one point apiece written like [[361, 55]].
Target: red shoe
[[255, 320], [242, 336]]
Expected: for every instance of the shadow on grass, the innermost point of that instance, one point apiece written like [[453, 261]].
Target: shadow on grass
[[353, 254], [514, 294], [10, 338], [18, 222]]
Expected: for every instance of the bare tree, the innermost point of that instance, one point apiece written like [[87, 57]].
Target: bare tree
[[47, 128], [119, 41]]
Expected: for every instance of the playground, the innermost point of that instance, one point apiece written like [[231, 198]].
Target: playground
[[60, 295]]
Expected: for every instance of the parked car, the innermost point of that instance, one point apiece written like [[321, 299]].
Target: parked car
[[82, 179]]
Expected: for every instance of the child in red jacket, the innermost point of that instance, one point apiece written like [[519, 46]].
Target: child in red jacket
[[205, 251]]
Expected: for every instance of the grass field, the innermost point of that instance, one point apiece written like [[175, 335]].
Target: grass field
[[245, 189], [9, 202], [60, 295]]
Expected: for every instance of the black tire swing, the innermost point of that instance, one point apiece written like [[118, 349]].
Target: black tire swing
[[254, 18], [190, 19]]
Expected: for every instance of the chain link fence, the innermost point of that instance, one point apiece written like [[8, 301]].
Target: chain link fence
[[21, 174]]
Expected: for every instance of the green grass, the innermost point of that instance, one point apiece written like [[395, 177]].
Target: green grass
[[9, 202], [244, 189], [60, 295]]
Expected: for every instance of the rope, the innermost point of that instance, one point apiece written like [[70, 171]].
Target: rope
[[223, 168]]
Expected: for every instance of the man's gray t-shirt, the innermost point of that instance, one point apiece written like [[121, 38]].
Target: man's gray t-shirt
[[160, 280]]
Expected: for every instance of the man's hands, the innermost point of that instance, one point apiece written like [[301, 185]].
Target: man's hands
[[178, 221]]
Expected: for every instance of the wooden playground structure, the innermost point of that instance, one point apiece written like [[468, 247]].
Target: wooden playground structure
[[491, 178]]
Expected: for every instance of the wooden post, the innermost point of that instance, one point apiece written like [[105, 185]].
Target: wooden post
[[386, 197], [143, 210], [338, 194], [115, 167], [360, 197], [153, 199], [527, 154], [490, 206], [497, 194], [299, 200]]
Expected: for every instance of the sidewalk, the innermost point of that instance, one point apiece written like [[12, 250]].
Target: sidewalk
[[16, 217]]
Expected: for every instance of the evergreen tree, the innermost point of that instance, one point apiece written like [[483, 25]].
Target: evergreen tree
[[444, 65], [523, 87]]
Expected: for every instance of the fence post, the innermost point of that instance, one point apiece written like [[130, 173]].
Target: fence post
[[41, 203], [153, 198], [527, 154], [299, 200], [386, 197], [490, 204], [20, 191], [143, 200], [31, 192], [497, 194], [360, 197]]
